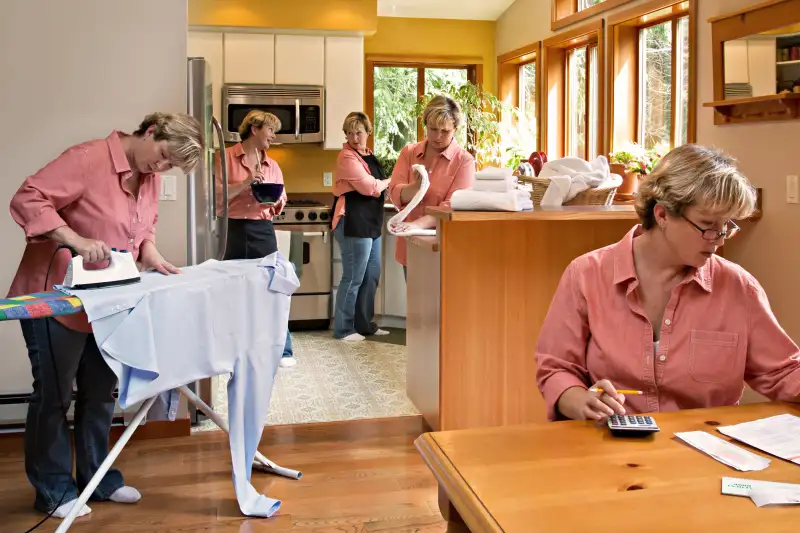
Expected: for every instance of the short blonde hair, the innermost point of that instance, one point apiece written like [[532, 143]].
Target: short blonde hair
[[441, 109], [356, 119], [183, 134], [692, 175], [259, 119]]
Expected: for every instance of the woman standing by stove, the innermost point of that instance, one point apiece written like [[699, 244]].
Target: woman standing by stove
[[357, 222], [250, 231]]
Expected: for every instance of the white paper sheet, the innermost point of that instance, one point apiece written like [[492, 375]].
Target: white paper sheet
[[777, 435], [723, 451], [762, 492]]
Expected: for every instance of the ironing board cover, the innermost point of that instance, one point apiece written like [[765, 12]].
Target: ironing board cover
[[39, 305]]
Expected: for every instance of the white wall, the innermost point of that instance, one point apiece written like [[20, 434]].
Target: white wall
[[73, 71]]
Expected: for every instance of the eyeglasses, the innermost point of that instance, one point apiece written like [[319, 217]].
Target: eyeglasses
[[729, 231]]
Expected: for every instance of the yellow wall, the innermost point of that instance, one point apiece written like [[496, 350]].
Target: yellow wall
[[437, 37], [347, 15]]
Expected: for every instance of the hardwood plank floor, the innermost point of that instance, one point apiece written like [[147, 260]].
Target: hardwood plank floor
[[359, 476]]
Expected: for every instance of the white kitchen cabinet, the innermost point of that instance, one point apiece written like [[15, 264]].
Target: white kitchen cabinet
[[249, 58], [344, 85], [300, 59], [209, 46]]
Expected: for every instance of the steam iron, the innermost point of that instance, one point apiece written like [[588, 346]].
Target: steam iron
[[121, 270]]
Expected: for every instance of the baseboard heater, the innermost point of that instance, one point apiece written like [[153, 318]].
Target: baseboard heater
[[14, 407]]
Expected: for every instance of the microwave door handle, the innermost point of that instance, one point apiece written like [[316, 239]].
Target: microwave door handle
[[223, 236], [297, 119]]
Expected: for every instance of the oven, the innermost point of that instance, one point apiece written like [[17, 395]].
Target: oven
[[300, 109], [311, 249]]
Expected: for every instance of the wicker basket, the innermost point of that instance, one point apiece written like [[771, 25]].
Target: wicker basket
[[593, 196]]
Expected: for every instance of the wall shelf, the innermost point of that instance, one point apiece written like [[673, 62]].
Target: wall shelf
[[784, 106]]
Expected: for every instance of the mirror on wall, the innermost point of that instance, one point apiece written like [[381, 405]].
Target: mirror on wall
[[763, 64]]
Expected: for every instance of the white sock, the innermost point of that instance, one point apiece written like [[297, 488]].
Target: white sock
[[380, 332], [353, 337], [125, 495], [64, 509]]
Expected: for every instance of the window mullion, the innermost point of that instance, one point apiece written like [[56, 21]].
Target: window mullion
[[673, 126]]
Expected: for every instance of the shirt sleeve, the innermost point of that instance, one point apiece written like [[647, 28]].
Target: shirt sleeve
[[772, 367], [464, 178], [561, 349], [150, 232], [350, 170], [36, 204], [399, 179]]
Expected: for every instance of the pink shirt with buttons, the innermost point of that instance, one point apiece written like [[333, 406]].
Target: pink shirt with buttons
[[453, 169], [245, 206], [718, 334], [84, 188]]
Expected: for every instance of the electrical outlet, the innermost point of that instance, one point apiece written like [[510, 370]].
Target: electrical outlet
[[792, 194], [169, 191], [327, 179]]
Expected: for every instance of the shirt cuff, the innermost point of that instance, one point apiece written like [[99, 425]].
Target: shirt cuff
[[554, 387], [46, 222]]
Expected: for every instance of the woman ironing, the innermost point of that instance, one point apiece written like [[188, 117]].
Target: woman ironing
[[95, 196]]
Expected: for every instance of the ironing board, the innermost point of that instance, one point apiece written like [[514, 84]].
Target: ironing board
[[51, 304]]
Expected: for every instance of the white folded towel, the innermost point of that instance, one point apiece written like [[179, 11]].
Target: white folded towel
[[472, 200], [508, 183], [572, 175], [400, 217], [493, 173]]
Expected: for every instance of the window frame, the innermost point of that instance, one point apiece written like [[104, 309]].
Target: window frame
[[564, 13], [473, 66], [508, 80], [625, 89]]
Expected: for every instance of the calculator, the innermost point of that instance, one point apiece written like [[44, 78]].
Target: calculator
[[632, 425]]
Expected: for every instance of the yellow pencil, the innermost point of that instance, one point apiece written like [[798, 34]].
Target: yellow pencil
[[621, 391]]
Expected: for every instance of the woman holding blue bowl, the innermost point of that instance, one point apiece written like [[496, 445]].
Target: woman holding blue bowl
[[251, 234]]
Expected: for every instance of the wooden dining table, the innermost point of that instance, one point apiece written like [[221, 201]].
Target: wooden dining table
[[574, 476]]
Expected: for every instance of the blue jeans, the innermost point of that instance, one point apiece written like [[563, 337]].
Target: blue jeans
[[354, 308], [48, 461], [288, 350]]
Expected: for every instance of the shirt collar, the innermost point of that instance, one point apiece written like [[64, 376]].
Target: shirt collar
[[238, 151], [624, 269], [346, 146], [449, 153], [118, 157]]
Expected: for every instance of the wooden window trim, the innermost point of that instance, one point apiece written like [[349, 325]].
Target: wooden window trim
[[552, 114], [508, 66], [565, 13], [473, 65], [623, 111]]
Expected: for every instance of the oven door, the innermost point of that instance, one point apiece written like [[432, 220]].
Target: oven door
[[311, 251]]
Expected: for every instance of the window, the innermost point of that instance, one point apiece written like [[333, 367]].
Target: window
[[652, 92], [567, 12], [586, 4], [528, 105], [394, 88], [518, 83], [582, 102]]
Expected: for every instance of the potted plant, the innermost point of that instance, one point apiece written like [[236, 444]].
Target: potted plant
[[631, 162]]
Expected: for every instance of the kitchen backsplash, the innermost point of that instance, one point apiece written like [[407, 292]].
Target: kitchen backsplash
[[303, 166]]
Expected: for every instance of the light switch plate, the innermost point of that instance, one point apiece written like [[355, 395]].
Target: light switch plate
[[792, 193], [327, 179], [169, 191]]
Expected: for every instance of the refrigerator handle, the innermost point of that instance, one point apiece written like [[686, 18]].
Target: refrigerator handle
[[223, 236], [297, 119]]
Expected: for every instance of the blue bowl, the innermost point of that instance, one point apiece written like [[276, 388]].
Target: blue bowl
[[267, 193]]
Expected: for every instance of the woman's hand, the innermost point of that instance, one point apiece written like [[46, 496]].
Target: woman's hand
[[92, 251], [150, 259], [578, 403]]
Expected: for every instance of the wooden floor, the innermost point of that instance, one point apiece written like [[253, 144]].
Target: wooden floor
[[358, 476]]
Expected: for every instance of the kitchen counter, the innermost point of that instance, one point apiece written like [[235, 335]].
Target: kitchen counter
[[477, 295]]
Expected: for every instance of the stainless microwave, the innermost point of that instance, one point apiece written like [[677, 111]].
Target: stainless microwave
[[300, 109]]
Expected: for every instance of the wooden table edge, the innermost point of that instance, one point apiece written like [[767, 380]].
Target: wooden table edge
[[467, 503]]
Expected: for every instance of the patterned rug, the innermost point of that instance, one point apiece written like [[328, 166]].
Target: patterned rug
[[332, 381]]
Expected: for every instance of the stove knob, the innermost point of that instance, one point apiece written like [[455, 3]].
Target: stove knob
[[299, 215], [323, 216], [312, 216]]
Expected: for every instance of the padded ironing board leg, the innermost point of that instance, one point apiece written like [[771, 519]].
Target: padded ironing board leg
[[261, 462], [112, 456]]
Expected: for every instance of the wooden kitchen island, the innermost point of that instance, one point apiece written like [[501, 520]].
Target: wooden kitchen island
[[477, 295]]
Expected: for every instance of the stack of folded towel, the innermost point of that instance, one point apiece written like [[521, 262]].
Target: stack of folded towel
[[495, 189]]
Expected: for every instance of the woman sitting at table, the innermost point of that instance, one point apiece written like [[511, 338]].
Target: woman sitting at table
[[357, 224], [449, 167], [658, 312]]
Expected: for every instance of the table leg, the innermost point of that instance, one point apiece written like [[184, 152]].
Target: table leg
[[112, 456], [455, 524], [261, 462]]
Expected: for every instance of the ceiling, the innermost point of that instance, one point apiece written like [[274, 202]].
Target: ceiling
[[444, 9]]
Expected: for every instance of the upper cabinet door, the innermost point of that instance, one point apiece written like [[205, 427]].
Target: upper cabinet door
[[300, 59], [249, 58], [344, 85], [209, 46]]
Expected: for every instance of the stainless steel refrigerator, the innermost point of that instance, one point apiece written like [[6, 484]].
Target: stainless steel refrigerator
[[207, 230]]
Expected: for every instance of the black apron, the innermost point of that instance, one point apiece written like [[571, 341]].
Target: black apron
[[250, 239], [363, 217]]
